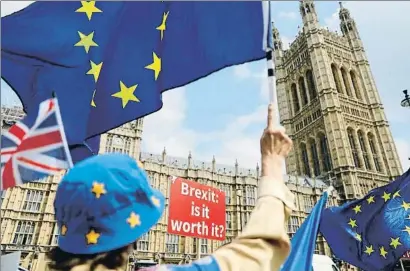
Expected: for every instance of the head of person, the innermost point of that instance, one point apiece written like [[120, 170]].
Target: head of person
[[102, 206]]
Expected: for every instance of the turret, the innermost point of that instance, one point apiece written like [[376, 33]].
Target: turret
[[309, 14], [347, 23]]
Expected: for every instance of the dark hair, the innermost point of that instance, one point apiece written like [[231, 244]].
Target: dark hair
[[64, 261]]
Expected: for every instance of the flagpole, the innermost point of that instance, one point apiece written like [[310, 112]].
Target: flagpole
[[60, 122], [272, 84], [402, 266]]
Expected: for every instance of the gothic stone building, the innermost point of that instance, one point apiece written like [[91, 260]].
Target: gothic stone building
[[28, 222], [330, 106]]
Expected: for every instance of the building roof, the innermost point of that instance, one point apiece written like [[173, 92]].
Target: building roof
[[179, 162]]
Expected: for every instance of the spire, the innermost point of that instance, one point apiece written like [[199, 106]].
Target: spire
[[309, 14], [277, 43], [213, 164], [347, 23], [164, 155], [236, 167], [189, 159]]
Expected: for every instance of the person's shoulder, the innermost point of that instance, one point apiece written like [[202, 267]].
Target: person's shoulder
[[205, 264]]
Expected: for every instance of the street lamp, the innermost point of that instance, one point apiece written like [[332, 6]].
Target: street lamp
[[239, 195], [406, 101]]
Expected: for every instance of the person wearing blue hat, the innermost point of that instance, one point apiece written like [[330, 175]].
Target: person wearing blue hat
[[105, 203]]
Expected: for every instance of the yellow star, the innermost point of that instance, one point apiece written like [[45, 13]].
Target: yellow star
[[134, 220], [383, 252], [92, 99], [396, 194], [98, 189], [163, 26], [88, 7], [407, 229], [386, 196], [155, 65], [405, 205], [357, 209], [358, 237], [155, 201], [370, 199], [86, 41], [369, 250], [92, 237], [126, 94], [95, 70], [395, 242], [352, 223], [140, 164], [63, 230]]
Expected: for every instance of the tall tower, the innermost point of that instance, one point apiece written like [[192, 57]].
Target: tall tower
[[124, 139], [330, 106]]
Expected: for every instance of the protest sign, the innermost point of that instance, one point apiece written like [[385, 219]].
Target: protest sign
[[196, 210]]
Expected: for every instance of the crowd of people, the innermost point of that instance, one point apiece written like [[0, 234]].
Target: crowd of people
[[105, 203]]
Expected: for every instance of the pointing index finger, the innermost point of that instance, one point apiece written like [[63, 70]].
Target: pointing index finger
[[270, 116]]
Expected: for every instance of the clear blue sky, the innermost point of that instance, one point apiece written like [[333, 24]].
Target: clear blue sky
[[223, 114]]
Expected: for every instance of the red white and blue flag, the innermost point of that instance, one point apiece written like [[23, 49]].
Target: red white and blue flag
[[34, 148]]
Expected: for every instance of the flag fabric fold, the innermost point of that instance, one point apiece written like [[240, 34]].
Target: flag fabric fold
[[109, 62], [88, 148], [371, 233], [35, 147], [304, 240]]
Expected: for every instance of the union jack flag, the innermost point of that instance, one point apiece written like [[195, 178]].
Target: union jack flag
[[34, 148]]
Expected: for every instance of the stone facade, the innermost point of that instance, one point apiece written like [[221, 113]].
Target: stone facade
[[330, 106], [28, 222]]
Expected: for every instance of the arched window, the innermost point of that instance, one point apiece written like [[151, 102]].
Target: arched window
[[336, 78], [311, 85], [374, 152], [305, 160], [324, 150], [118, 144], [302, 89], [295, 98], [356, 86], [127, 148], [353, 147], [346, 82], [108, 144], [315, 158], [364, 150]]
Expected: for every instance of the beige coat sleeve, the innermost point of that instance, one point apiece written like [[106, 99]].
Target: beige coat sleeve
[[264, 243]]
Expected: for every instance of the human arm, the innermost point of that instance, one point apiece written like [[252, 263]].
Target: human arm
[[264, 243]]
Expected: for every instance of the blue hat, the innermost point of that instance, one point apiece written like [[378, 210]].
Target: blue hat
[[105, 202]]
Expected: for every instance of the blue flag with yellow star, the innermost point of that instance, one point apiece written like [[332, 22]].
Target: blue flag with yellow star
[[109, 62], [304, 240], [371, 233]]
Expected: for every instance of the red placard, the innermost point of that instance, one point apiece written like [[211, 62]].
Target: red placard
[[406, 255], [196, 210]]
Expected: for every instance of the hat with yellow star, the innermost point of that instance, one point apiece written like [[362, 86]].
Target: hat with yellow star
[[105, 202]]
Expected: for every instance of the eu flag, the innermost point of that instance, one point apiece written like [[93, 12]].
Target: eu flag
[[304, 240], [88, 148], [109, 62], [371, 233]]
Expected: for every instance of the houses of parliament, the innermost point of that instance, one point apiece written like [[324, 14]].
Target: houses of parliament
[[329, 105]]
